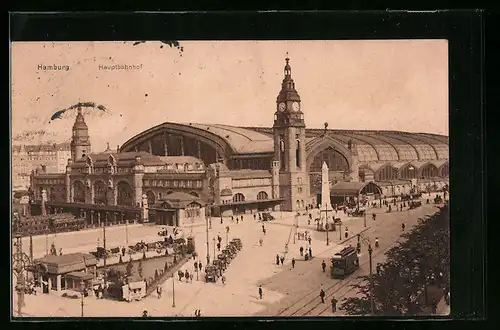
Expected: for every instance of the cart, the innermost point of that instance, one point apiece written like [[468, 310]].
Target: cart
[[210, 274]]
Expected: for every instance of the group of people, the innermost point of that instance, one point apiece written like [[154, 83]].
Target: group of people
[[334, 301]]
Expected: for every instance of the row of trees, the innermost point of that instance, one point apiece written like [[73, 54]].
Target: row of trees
[[402, 284]]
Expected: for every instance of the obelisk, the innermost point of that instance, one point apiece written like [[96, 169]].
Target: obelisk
[[325, 189]]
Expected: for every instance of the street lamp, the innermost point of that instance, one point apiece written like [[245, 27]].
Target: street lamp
[[370, 250], [326, 225], [208, 244], [173, 289], [82, 286], [214, 247]]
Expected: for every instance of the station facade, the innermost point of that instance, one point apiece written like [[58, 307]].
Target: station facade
[[236, 169]]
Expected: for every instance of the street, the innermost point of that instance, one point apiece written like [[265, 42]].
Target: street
[[287, 291]]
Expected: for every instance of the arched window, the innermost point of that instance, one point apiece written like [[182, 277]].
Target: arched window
[[387, 173], [262, 195], [445, 171], [297, 154], [78, 192], [429, 171], [238, 198], [100, 193], [125, 194], [151, 197], [408, 172], [193, 210]]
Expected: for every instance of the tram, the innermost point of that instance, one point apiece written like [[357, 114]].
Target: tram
[[344, 262]]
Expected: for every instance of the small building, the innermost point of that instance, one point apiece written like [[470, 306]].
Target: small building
[[134, 288], [66, 272], [176, 209], [351, 191]]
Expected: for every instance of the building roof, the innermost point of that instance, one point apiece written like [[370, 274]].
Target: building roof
[[348, 188], [42, 147], [66, 263], [121, 158], [371, 145], [80, 275]]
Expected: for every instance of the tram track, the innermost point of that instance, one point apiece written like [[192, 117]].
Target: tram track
[[341, 286]]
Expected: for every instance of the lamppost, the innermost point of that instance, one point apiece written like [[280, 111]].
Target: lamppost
[[208, 244], [173, 290], [104, 246], [370, 250], [82, 286], [214, 247], [227, 234]]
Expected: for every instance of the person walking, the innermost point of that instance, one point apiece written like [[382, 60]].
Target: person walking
[[301, 250], [323, 266], [145, 313], [334, 304], [237, 220], [241, 218], [310, 253], [264, 231], [282, 259], [191, 277], [260, 291], [322, 296], [309, 240], [374, 216], [223, 279], [277, 260], [434, 306], [221, 221], [261, 241], [199, 265], [254, 217], [263, 228], [403, 226], [293, 262], [159, 291], [218, 246]]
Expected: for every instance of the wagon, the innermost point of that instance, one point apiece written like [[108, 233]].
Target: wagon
[[237, 243], [210, 274], [267, 216]]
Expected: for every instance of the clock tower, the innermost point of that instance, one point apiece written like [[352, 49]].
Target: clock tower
[[289, 132]]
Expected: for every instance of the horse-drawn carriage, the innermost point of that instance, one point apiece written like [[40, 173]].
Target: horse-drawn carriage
[[415, 203], [230, 253], [237, 243], [219, 266], [211, 274], [224, 260], [357, 212], [266, 216], [163, 232]]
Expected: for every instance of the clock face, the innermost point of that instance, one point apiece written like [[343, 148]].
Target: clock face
[[282, 106], [296, 106]]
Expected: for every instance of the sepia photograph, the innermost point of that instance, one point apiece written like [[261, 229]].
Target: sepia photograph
[[191, 179]]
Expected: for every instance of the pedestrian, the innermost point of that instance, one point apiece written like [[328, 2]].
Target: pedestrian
[[254, 217], [158, 291], [323, 266], [123, 251], [403, 227], [260, 291], [282, 259], [237, 220], [346, 234], [374, 216], [223, 279], [261, 241], [232, 219], [191, 277], [218, 246], [310, 253], [145, 313], [186, 275], [263, 228], [293, 262], [434, 306], [309, 240], [277, 260], [241, 218], [199, 266], [322, 296], [196, 266], [301, 250], [264, 231], [334, 305], [221, 221]]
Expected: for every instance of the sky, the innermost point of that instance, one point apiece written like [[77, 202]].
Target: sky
[[351, 84]]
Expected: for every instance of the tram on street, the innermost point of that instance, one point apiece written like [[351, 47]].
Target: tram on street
[[344, 262]]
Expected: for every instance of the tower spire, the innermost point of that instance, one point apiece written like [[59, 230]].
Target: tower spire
[[288, 68]]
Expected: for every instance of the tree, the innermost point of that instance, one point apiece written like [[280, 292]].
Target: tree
[[397, 287], [140, 269]]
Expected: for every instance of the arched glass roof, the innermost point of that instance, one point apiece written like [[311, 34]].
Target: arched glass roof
[[426, 152], [386, 152]]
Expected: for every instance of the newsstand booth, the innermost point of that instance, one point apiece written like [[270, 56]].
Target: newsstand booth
[[135, 289]]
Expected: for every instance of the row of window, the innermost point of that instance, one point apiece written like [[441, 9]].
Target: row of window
[[174, 183], [251, 182], [50, 181]]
